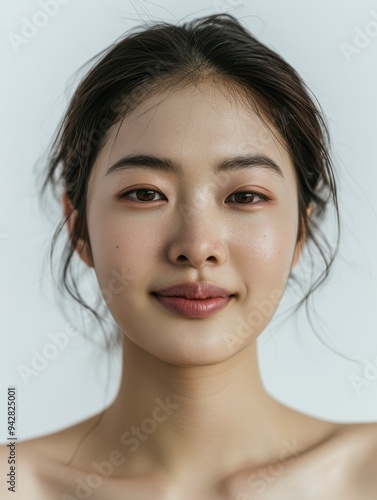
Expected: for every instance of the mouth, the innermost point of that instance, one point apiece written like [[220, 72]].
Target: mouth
[[193, 308]]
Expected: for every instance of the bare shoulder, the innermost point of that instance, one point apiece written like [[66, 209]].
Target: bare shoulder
[[60, 445], [35, 459], [18, 481], [359, 446], [342, 467]]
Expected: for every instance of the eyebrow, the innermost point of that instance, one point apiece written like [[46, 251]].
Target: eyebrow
[[152, 162]]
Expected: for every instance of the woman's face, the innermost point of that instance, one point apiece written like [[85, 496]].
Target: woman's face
[[192, 226]]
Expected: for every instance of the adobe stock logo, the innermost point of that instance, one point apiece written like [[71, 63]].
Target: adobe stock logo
[[40, 359], [264, 476], [362, 38], [263, 310], [369, 376], [85, 486], [31, 27]]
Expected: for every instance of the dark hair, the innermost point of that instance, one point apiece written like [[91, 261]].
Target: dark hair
[[165, 56]]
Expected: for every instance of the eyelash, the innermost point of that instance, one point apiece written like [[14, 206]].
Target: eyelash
[[263, 197]]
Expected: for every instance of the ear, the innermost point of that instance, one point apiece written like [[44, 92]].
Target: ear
[[301, 243], [82, 247]]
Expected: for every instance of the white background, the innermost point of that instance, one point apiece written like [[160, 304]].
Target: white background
[[296, 367]]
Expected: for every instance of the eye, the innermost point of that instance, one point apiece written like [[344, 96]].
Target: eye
[[144, 194], [246, 200]]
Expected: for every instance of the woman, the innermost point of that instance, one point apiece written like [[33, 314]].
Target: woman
[[194, 169]]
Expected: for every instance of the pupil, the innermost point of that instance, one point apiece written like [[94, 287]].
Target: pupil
[[246, 196], [143, 191]]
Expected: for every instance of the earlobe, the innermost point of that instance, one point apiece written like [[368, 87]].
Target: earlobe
[[81, 245]]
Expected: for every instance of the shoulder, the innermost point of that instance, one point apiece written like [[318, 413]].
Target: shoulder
[[359, 446], [18, 479], [35, 459], [342, 467], [365, 473], [60, 446]]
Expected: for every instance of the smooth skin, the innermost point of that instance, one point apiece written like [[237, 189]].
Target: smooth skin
[[192, 418]]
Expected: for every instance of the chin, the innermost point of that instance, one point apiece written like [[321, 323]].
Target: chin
[[187, 347]]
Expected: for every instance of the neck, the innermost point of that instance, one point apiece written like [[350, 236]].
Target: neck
[[183, 420]]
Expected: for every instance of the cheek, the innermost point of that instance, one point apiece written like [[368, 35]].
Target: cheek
[[121, 251], [262, 254], [267, 241], [263, 259]]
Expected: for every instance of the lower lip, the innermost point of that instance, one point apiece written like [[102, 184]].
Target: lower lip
[[193, 308]]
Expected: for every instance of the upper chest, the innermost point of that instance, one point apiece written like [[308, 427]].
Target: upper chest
[[344, 468]]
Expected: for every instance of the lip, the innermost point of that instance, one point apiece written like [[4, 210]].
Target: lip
[[195, 290], [194, 299], [193, 308]]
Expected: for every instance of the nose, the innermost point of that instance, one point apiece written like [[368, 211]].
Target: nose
[[198, 240]]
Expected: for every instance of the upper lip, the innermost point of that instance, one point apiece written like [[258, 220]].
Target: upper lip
[[194, 290]]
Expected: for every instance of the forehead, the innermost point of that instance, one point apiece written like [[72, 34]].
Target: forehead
[[193, 124]]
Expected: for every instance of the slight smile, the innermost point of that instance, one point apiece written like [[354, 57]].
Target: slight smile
[[194, 299]]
